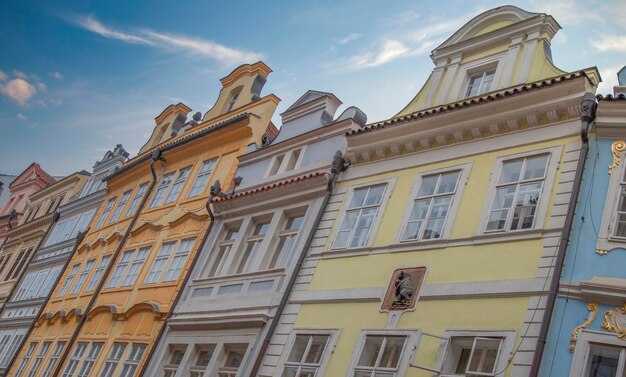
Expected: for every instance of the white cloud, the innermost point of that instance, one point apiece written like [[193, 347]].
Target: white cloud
[[42, 87], [3, 76], [171, 42], [19, 90], [22, 117], [57, 75], [564, 11], [609, 79], [19, 74], [609, 43], [349, 38]]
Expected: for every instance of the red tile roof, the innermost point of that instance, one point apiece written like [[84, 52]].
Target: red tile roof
[[271, 186], [610, 97], [38, 171]]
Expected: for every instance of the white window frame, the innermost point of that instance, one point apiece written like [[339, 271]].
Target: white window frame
[[464, 170], [554, 161], [157, 201], [287, 157], [333, 336], [135, 266], [506, 347], [105, 212], [157, 274], [134, 203], [494, 62], [54, 357], [408, 352], [98, 273], [585, 339], [120, 206], [195, 189], [222, 269], [389, 187], [113, 360], [26, 358], [607, 240], [82, 277], [179, 184], [290, 236], [69, 279], [42, 352]]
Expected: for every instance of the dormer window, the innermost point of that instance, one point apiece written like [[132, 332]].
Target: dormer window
[[285, 162], [480, 83], [233, 100]]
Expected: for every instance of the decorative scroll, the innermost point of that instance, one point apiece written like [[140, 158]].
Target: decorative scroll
[[611, 321], [616, 148], [593, 312], [404, 288], [602, 252]]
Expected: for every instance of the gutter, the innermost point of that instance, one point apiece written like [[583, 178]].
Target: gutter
[[155, 156], [588, 110], [11, 216], [339, 164]]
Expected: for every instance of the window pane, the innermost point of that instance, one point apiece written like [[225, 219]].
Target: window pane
[[427, 187], [318, 344], [535, 167], [603, 361], [391, 354], [511, 171], [370, 351], [448, 182], [358, 198], [375, 195], [299, 346], [484, 356]]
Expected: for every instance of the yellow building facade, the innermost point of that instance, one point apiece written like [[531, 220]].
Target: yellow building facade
[[435, 252], [116, 292]]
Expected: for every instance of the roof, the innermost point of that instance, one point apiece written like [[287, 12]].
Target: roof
[[491, 97], [310, 96], [270, 186], [6, 180], [38, 171], [610, 97]]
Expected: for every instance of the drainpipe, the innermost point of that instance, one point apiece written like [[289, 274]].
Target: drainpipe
[[156, 156], [339, 164], [12, 215], [588, 110], [214, 193]]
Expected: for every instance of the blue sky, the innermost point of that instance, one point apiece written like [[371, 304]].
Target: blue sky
[[78, 77]]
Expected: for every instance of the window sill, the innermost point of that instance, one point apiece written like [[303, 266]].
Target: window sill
[[115, 290], [240, 277], [158, 285]]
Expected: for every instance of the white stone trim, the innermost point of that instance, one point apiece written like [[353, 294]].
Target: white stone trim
[[606, 240], [479, 65], [583, 346]]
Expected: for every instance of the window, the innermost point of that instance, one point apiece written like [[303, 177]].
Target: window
[[286, 246], [136, 199], [619, 225], [53, 359], [159, 194], [37, 283], [68, 280], [473, 356], [75, 359], [517, 193], [22, 263], [69, 228], [135, 267], [285, 162], [113, 359], [380, 356], [120, 206], [253, 254], [431, 206], [14, 268], [233, 100], [201, 361], [176, 358], [306, 355], [179, 259], [43, 351], [10, 340], [105, 213], [97, 275], [359, 217], [26, 359], [219, 266], [480, 83], [176, 264], [203, 177], [120, 268], [233, 357], [90, 360], [604, 361], [82, 277], [133, 360], [178, 185]]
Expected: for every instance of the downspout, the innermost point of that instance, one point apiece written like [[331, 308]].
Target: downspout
[[12, 215], [184, 284], [79, 239], [156, 156], [339, 164], [588, 110]]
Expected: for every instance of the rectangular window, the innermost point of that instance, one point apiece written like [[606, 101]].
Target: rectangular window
[[159, 194], [133, 360], [473, 356], [136, 199], [359, 217], [105, 213], [22, 264], [306, 355], [50, 281], [517, 194], [10, 342], [26, 359], [121, 267], [82, 277], [90, 360], [178, 185], [52, 361], [75, 359], [605, 361], [113, 359], [97, 275], [43, 351], [179, 259], [380, 356], [233, 358], [620, 220], [85, 219], [16, 263], [176, 357], [159, 263], [219, 266], [135, 267], [431, 206], [120, 206], [201, 361], [253, 253], [68, 280], [203, 177], [286, 246], [480, 83]]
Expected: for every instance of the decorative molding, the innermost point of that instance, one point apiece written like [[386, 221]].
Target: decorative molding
[[617, 148], [602, 251], [403, 289], [611, 321], [593, 312]]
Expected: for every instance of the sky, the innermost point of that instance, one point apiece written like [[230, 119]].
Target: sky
[[78, 77]]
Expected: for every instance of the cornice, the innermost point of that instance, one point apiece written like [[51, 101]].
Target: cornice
[[82, 203]]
